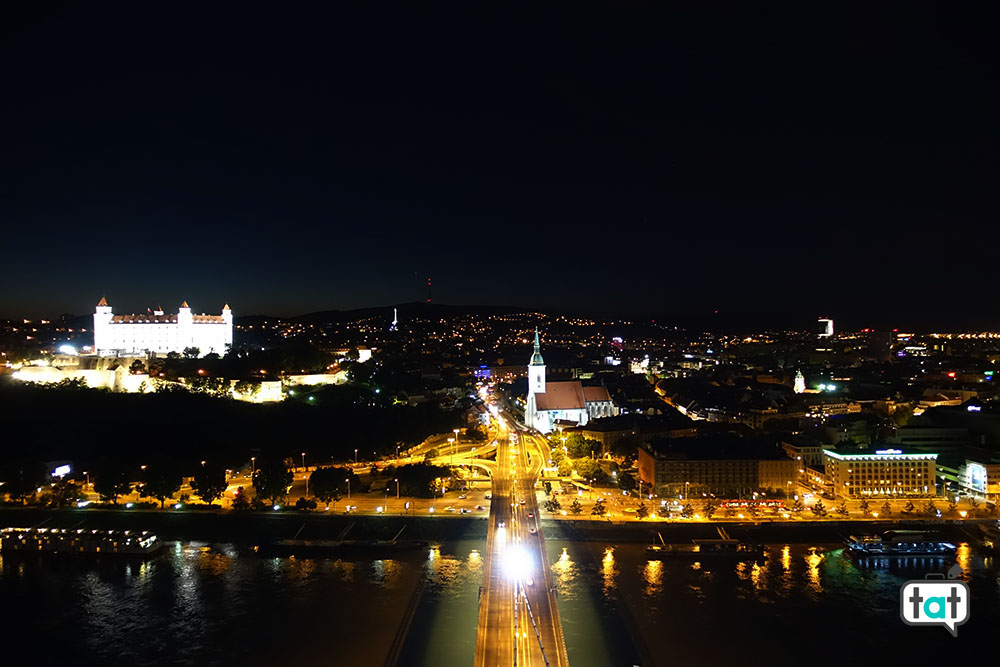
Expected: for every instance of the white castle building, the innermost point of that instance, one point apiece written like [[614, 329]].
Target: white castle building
[[159, 333], [568, 402]]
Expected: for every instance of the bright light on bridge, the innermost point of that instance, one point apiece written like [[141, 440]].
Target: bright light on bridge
[[516, 563]]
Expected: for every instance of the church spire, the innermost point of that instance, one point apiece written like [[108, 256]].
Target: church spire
[[536, 357], [103, 302]]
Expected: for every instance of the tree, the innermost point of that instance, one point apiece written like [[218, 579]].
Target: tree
[[547, 486], [973, 503], [137, 367], [247, 388], [330, 484], [642, 511], [687, 511], [191, 352], [552, 505], [819, 509], [21, 478], [886, 509], [240, 500], [901, 414], [909, 508], [210, 482], [575, 507], [729, 512], [431, 454], [590, 469], [579, 447], [952, 507], [930, 509], [161, 481], [173, 355], [272, 479], [112, 481], [841, 509], [709, 509], [422, 480], [65, 493], [305, 504], [865, 508], [626, 482], [798, 505], [599, 509]]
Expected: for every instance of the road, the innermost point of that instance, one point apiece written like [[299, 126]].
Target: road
[[519, 621]]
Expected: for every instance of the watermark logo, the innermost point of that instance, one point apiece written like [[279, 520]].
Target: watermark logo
[[935, 602]]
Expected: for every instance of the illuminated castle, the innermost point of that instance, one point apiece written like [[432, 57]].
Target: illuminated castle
[[156, 332]]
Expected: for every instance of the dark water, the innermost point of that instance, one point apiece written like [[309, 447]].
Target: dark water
[[213, 605]]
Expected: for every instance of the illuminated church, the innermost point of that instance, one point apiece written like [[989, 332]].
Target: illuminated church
[[159, 333], [569, 403]]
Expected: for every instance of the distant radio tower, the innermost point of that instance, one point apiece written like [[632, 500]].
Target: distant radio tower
[[394, 320], [428, 290]]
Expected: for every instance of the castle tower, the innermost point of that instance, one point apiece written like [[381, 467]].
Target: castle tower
[[536, 382], [185, 324], [800, 382], [102, 322], [227, 317]]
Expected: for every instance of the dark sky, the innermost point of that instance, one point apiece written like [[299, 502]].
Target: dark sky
[[289, 158]]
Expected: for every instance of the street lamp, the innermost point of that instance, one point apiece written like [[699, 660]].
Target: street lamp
[[348, 480], [202, 464], [451, 444], [305, 473], [253, 467], [397, 487], [355, 457]]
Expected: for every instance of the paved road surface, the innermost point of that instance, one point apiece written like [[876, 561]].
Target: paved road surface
[[518, 619]]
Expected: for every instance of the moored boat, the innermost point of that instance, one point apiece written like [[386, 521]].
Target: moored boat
[[78, 541], [899, 544]]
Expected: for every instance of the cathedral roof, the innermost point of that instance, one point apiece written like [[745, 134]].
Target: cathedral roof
[[596, 394], [185, 305], [102, 302], [226, 307], [561, 396]]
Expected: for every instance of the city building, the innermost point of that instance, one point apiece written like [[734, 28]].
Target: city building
[[156, 332], [569, 403], [825, 325], [807, 452], [639, 428], [722, 466], [982, 478], [884, 473]]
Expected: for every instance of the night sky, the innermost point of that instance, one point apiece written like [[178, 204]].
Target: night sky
[[288, 159]]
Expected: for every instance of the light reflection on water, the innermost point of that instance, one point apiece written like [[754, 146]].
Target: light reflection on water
[[211, 606], [608, 569], [653, 576], [676, 605], [197, 604]]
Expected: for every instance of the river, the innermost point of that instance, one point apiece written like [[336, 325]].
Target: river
[[209, 604]]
